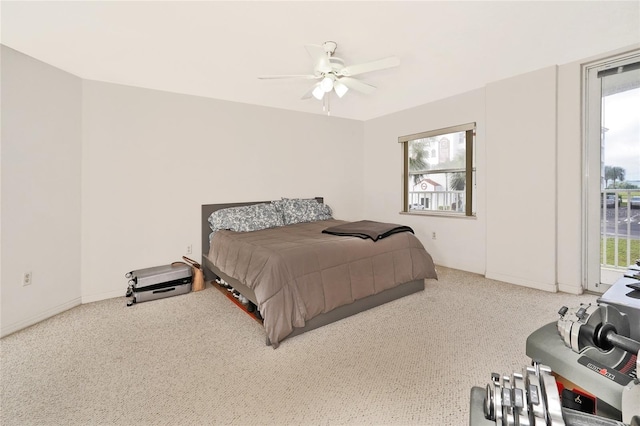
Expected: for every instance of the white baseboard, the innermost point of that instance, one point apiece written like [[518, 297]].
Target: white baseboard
[[571, 289], [102, 296], [553, 288], [465, 268], [12, 328]]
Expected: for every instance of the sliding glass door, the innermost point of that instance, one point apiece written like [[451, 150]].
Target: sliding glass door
[[612, 169]]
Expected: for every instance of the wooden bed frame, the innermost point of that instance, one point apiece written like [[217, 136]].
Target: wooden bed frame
[[211, 272]]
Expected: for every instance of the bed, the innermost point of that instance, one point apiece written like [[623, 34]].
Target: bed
[[301, 278]]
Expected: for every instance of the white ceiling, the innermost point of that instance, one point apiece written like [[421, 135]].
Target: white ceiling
[[217, 49]]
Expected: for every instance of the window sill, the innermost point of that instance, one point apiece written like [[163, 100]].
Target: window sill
[[439, 214]]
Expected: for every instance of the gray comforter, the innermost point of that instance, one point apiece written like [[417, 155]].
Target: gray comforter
[[297, 272]]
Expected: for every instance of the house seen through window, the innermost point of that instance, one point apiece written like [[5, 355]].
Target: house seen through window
[[439, 171]]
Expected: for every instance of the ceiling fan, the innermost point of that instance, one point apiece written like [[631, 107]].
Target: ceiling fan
[[332, 74]]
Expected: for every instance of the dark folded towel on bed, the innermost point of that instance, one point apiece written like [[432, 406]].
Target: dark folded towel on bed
[[367, 229]]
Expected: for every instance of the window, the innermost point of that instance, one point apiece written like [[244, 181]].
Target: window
[[439, 175]]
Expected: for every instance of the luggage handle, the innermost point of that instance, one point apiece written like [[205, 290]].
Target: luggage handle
[[164, 290], [191, 262]]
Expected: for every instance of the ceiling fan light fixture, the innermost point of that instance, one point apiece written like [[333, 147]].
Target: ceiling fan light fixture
[[327, 84], [318, 92], [340, 88]]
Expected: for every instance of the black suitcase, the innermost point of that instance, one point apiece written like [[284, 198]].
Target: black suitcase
[[159, 282]]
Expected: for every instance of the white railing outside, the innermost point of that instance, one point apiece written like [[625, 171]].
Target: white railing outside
[[620, 222], [451, 201]]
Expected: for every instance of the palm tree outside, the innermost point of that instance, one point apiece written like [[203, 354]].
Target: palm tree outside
[[417, 158], [613, 173]]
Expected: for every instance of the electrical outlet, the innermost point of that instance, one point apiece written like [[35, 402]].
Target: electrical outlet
[[27, 278], [433, 235], [190, 249]]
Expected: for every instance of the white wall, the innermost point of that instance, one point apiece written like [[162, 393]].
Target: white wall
[[40, 166], [515, 236], [521, 179], [460, 242], [151, 159], [569, 179]]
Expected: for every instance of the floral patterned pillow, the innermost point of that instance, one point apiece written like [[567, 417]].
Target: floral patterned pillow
[[246, 218], [298, 210]]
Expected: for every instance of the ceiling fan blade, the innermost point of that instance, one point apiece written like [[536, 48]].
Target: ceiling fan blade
[[319, 56], [357, 85], [303, 76], [380, 64]]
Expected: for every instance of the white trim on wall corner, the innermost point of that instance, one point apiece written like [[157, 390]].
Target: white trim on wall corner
[[571, 289], [103, 296], [12, 328], [553, 288]]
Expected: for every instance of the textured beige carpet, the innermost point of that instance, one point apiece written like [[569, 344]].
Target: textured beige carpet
[[197, 359]]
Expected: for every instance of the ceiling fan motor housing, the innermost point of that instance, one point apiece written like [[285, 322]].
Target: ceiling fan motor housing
[[336, 64]]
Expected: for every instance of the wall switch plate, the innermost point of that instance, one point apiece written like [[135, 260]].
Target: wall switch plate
[[190, 249], [433, 235]]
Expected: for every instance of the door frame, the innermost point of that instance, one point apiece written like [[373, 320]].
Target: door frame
[[596, 278]]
